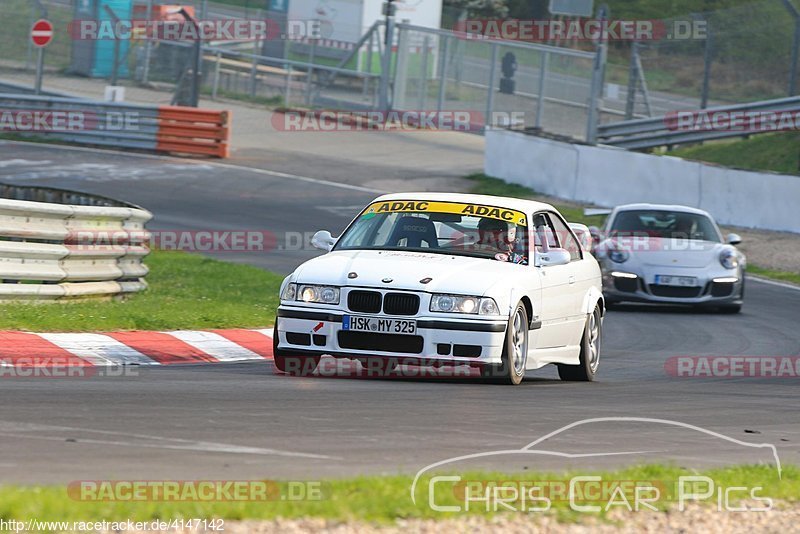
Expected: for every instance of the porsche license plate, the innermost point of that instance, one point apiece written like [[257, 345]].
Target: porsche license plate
[[679, 281], [379, 325]]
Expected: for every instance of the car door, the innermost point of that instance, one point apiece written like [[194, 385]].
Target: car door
[[558, 289], [579, 278]]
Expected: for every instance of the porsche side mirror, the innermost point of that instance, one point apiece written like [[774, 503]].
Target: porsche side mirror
[[323, 240], [554, 256], [584, 235], [734, 239], [596, 233]]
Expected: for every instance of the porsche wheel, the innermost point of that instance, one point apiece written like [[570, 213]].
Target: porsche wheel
[[515, 351], [586, 370]]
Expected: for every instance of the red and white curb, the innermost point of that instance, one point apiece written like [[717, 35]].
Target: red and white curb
[[135, 348]]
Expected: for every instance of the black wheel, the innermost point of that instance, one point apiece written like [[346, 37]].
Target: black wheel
[[292, 364], [586, 370], [515, 351]]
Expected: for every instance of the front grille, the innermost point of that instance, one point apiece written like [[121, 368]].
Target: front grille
[[675, 292], [364, 301], [721, 289], [295, 338], [626, 285], [400, 304], [380, 342]]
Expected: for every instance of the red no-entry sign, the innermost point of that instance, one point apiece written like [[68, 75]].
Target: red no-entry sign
[[42, 32]]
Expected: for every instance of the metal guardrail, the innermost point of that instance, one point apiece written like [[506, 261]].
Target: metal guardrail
[[120, 125], [664, 130], [54, 251]]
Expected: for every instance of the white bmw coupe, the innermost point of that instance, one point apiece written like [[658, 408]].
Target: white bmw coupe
[[438, 279]]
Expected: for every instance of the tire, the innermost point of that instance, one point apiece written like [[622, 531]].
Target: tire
[[290, 364], [586, 370], [515, 351]]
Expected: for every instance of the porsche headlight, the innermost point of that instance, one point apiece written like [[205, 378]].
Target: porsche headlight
[[618, 256], [728, 259], [311, 293], [464, 304]]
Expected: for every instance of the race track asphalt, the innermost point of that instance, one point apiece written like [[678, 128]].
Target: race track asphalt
[[231, 421]]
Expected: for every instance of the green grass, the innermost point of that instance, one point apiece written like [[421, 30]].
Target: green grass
[[186, 291], [775, 275], [767, 152], [381, 499]]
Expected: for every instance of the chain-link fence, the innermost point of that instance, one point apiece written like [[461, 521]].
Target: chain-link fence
[[498, 82], [749, 53]]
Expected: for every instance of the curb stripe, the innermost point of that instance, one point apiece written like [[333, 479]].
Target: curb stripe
[[163, 348], [99, 349], [36, 351], [215, 345], [252, 340]]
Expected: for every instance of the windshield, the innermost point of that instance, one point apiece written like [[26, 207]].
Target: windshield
[[455, 228], [664, 224]]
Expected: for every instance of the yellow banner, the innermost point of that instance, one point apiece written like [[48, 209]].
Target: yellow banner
[[475, 210]]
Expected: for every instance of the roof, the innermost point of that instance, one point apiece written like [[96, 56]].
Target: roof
[[526, 206], [664, 207]]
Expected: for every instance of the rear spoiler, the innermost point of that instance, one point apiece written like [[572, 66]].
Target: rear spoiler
[[588, 212]]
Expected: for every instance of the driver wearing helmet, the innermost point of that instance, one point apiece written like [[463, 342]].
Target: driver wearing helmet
[[498, 238]]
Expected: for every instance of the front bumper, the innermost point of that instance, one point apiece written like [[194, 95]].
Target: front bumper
[[713, 289], [318, 331]]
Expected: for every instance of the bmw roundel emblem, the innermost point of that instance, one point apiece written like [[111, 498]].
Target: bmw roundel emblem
[[387, 280]]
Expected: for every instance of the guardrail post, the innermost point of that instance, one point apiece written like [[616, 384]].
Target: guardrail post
[[542, 79], [386, 65], [596, 89], [254, 70], [215, 87], [443, 75], [287, 93], [487, 120], [310, 79], [633, 82]]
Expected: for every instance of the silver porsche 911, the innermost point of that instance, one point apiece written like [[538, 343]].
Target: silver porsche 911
[[668, 254]]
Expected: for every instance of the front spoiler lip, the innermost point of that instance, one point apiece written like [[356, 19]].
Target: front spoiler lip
[[432, 324], [403, 359], [621, 296]]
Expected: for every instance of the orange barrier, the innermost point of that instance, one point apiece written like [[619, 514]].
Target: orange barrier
[[193, 131]]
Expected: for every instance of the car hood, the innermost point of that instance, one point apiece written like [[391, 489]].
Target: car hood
[[658, 252], [448, 274]]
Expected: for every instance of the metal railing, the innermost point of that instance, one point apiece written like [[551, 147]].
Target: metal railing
[[118, 125], [54, 251], [666, 130]]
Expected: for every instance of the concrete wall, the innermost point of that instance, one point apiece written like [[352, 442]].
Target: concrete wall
[[608, 176]]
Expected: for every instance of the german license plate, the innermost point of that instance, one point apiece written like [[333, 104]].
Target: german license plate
[[379, 325], [679, 281]]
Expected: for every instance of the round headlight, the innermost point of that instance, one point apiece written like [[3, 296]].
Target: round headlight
[[468, 305], [446, 304], [308, 294], [489, 307], [328, 295], [618, 256]]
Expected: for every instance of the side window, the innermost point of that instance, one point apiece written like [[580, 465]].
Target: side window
[[544, 236], [565, 238]]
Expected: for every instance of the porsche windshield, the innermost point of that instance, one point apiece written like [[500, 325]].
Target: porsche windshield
[[664, 224], [440, 227]]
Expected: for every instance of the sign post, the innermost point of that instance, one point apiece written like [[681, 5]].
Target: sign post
[[41, 35]]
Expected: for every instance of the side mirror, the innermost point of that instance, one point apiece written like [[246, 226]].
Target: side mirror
[[323, 240], [734, 239], [596, 234], [554, 256]]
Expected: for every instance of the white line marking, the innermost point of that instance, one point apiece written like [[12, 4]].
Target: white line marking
[[98, 349], [266, 172], [266, 331], [215, 345], [785, 285]]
